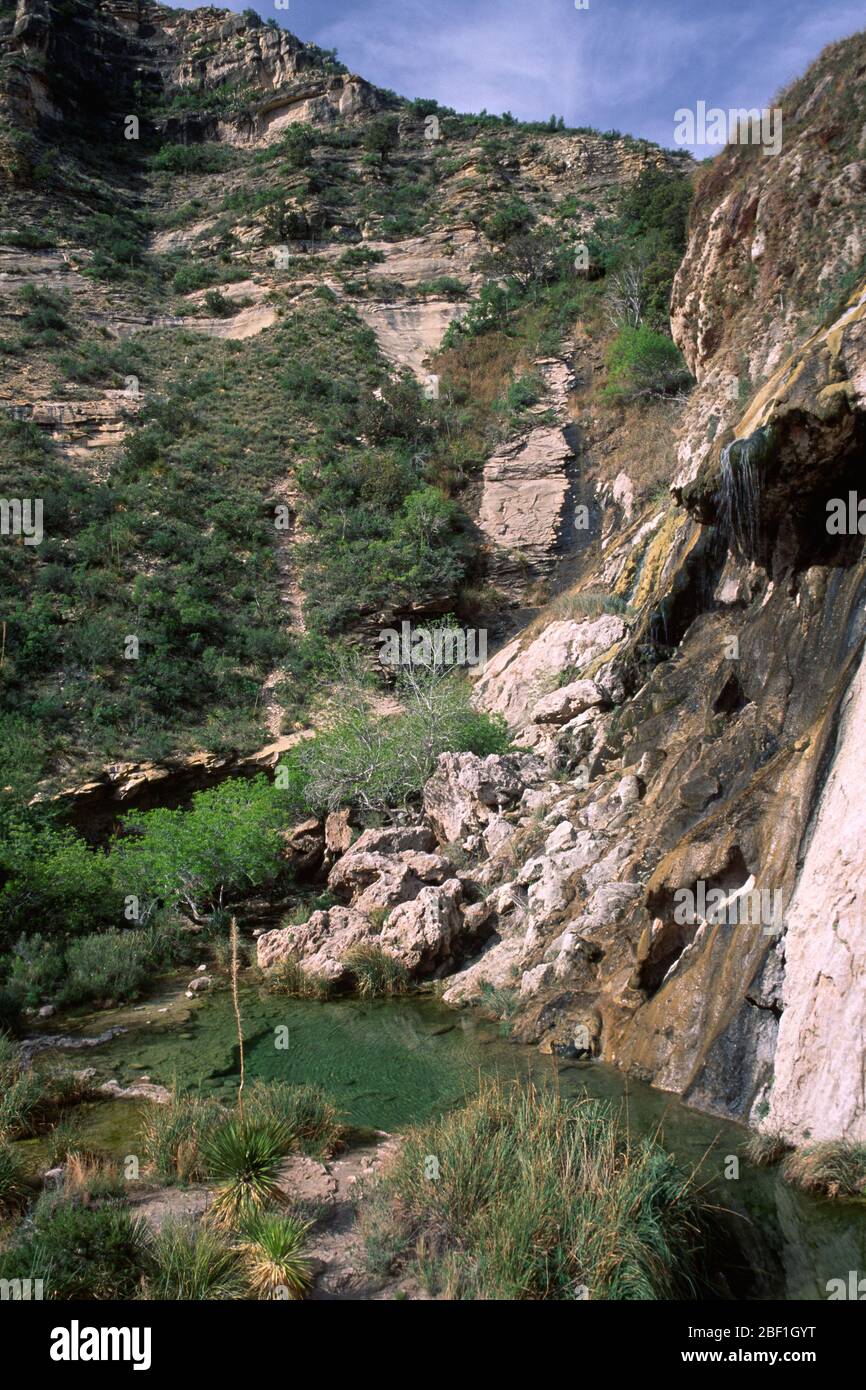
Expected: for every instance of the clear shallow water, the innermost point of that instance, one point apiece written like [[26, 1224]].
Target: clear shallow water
[[391, 1063]]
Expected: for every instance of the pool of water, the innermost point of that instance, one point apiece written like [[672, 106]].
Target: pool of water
[[391, 1063]]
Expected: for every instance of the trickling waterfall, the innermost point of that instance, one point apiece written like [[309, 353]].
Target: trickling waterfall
[[740, 505]]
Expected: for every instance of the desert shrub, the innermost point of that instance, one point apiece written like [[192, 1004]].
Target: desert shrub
[[643, 363], [244, 1157], [513, 218], [109, 966], [357, 256], [537, 1196], [379, 762], [193, 159]]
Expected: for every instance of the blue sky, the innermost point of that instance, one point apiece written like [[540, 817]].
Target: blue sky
[[627, 64]]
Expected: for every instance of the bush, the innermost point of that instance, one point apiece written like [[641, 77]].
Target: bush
[[193, 159], [108, 966], [537, 1196], [379, 763], [54, 877], [228, 840], [642, 363], [81, 1252]]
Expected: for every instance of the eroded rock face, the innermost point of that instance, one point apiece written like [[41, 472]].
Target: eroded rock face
[[519, 676], [466, 792]]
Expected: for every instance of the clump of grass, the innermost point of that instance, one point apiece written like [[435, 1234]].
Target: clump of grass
[[13, 1181], [307, 1114], [502, 1001], [375, 972], [65, 1138], [536, 1197], [89, 1177], [173, 1136], [291, 979], [763, 1150], [244, 1158], [274, 1252], [194, 1261], [830, 1169], [90, 1252]]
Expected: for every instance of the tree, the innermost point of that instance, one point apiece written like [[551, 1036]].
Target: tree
[[195, 859], [382, 136]]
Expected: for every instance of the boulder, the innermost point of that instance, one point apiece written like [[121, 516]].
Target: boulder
[[561, 706], [466, 792]]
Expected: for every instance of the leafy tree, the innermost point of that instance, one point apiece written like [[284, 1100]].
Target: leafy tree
[[228, 840]]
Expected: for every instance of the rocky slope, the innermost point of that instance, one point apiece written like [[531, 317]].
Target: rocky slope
[[704, 738]]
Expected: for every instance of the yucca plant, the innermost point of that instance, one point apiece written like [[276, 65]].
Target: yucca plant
[[244, 1157], [193, 1261], [273, 1249]]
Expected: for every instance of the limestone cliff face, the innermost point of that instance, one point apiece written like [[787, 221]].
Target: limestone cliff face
[[731, 763]]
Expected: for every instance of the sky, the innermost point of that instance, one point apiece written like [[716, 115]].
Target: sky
[[627, 65]]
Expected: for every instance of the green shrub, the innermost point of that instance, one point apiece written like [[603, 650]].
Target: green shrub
[[54, 877], [306, 1113], [193, 159], [108, 966], [98, 1252], [643, 363], [537, 1196], [228, 840], [378, 762]]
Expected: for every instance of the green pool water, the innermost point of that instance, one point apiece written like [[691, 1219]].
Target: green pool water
[[391, 1063]]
